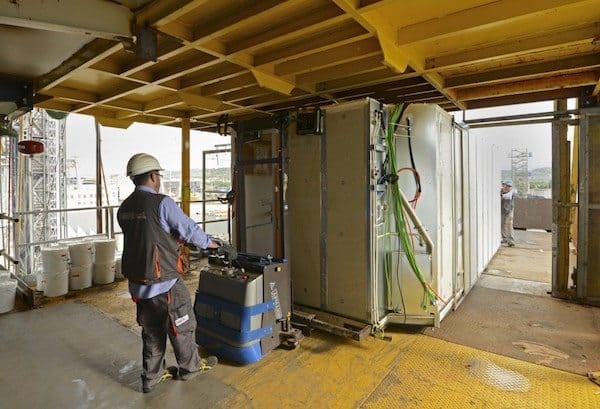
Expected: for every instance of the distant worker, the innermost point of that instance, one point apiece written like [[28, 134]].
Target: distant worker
[[153, 225], [507, 208]]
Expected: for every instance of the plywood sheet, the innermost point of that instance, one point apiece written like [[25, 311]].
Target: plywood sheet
[[347, 211], [304, 204]]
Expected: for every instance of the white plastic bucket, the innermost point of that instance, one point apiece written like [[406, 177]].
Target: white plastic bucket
[[119, 268], [55, 259], [105, 251], [80, 277], [8, 290], [56, 284], [104, 273], [81, 253]]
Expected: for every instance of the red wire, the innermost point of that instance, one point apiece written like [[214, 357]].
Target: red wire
[[417, 193]]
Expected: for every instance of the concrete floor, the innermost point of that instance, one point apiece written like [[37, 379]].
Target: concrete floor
[[413, 370]]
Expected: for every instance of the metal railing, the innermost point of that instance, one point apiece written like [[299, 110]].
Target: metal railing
[[28, 253]]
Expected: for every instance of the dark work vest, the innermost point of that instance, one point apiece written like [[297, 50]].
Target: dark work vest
[[150, 254]]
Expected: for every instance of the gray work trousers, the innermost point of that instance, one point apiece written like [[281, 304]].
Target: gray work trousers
[[170, 313], [507, 227]]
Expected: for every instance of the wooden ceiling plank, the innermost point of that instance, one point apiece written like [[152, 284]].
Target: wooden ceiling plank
[[526, 86], [522, 71], [161, 12], [515, 46], [526, 98], [321, 41], [233, 20], [298, 27], [235, 83], [371, 63], [492, 13], [332, 56]]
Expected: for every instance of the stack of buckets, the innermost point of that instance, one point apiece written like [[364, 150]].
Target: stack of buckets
[[54, 279], [8, 289], [104, 261], [82, 258]]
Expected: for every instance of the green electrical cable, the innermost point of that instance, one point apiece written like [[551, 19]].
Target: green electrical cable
[[403, 234]]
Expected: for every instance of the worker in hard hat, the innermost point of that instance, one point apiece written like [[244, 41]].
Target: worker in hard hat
[[507, 207], [152, 224]]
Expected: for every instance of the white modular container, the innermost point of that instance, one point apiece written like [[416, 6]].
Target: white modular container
[[338, 255], [119, 268]]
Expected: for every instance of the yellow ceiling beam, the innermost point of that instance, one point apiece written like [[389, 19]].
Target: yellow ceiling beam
[[114, 122], [394, 56], [526, 86], [596, 91], [515, 46], [379, 76], [525, 98], [272, 82], [199, 101], [241, 81], [492, 13]]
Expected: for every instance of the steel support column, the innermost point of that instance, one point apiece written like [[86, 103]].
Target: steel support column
[[560, 205], [185, 165]]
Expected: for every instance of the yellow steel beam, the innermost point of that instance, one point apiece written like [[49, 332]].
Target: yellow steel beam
[[185, 165], [516, 46], [522, 87], [272, 82], [207, 103], [380, 76], [244, 80], [596, 91], [114, 122], [492, 13], [522, 71], [395, 57]]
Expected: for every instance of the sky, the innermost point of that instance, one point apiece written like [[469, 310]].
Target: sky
[[164, 142], [118, 145]]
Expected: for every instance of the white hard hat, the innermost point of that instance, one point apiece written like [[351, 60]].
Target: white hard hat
[[141, 163]]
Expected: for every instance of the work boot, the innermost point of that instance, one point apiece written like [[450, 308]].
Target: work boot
[[206, 364], [169, 374]]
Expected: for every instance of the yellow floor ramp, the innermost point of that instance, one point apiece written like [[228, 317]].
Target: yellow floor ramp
[[412, 371]]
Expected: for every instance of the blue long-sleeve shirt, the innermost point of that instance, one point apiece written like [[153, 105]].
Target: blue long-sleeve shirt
[[173, 221]]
